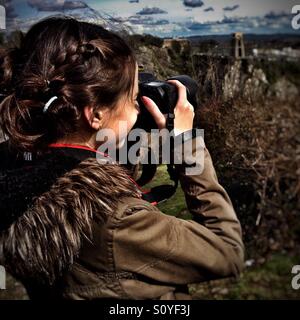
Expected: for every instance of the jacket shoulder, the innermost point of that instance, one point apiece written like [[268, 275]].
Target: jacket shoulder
[[47, 238]]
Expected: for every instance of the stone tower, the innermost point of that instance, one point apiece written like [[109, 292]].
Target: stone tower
[[239, 47]]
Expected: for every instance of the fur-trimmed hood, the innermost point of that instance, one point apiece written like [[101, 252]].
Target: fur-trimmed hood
[[48, 203]]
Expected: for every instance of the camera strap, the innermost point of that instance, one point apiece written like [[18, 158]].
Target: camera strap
[[160, 193], [170, 121], [163, 192]]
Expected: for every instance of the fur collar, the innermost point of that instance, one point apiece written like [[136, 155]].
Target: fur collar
[[44, 237]]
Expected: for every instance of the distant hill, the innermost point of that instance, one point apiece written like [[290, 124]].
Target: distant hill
[[276, 41]]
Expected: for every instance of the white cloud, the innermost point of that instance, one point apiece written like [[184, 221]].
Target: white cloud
[[250, 16]]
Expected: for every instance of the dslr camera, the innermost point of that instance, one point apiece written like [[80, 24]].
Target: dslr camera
[[165, 95]]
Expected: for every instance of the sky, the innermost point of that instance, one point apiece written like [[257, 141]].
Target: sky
[[166, 18]]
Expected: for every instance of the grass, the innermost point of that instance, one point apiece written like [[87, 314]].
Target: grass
[[175, 206], [270, 281]]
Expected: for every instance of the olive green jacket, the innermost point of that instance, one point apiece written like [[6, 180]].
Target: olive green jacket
[[136, 252]]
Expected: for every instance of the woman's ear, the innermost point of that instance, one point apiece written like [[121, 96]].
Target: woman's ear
[[93, 118]]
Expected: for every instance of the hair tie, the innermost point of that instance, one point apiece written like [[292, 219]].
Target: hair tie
[[48, 104]]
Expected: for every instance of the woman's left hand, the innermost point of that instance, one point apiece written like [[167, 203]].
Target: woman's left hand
[[158, 117]]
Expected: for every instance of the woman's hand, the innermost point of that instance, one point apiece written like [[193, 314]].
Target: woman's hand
[[184, 111]]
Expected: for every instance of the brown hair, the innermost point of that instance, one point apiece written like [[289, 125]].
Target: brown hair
[[81, 63]]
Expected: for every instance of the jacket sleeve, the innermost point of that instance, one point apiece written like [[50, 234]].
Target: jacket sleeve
[[176, 251]]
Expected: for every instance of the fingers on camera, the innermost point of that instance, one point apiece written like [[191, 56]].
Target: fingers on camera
[[182, 95], [152, 107]]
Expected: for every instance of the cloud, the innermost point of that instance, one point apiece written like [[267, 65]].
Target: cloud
[[76, 9], [153, 10], [139, 20], [160, 22], [209, 9], [11, 15], [228, 8], [270, 23], [275, 16], [22, 24], [146, 21], [56, 5], [10, 10], [193, 3]]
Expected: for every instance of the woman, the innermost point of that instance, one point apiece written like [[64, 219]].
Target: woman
[[72, 228]]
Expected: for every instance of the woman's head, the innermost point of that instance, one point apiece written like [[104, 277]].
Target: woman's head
[[92, 72]]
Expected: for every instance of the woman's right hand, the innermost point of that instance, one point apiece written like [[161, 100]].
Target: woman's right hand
[[184, 111]]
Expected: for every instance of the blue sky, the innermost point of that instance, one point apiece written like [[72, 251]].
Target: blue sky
[[213, 17]]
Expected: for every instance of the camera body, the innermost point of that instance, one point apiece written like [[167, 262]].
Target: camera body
[[165, 95]]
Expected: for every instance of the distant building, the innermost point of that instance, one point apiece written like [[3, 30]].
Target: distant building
[[239, 46]]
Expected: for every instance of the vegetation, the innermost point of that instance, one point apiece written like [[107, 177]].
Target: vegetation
[[254, 143]]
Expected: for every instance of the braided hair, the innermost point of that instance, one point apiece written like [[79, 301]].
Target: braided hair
[[80, 63]]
